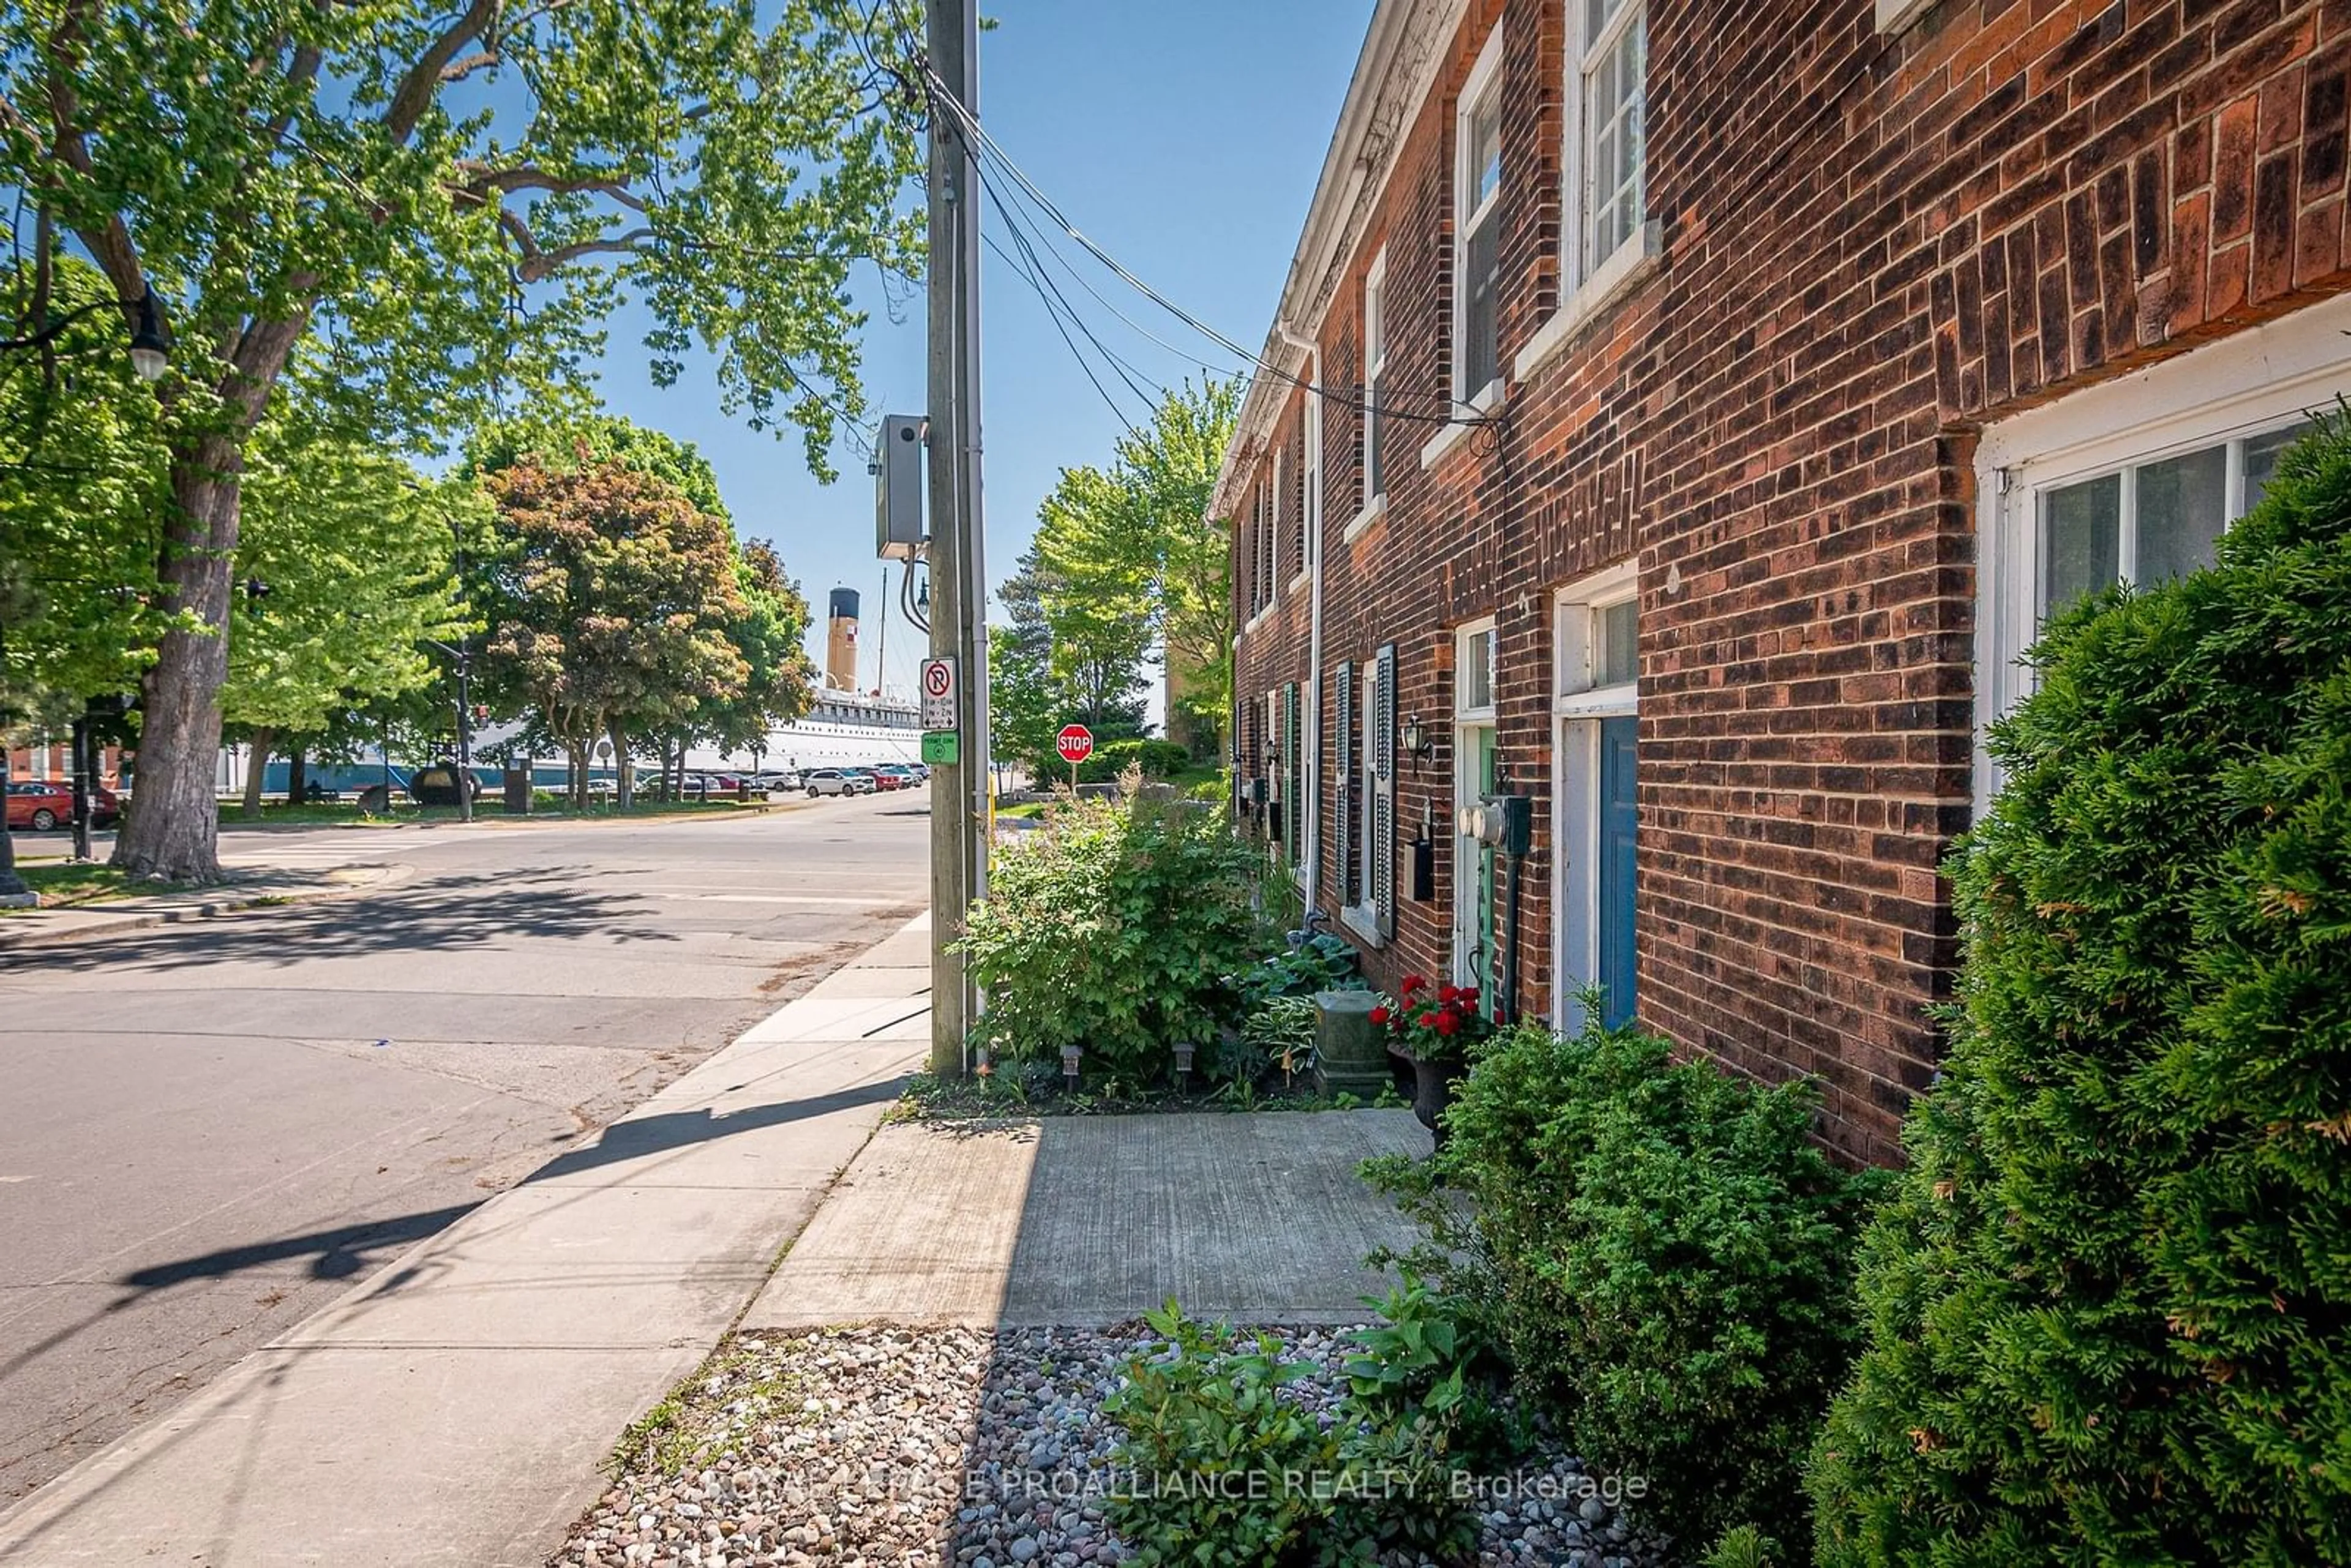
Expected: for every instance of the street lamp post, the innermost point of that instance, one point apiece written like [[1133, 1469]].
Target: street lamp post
[[464, 728]]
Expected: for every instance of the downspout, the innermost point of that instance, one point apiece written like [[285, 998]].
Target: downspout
[[1313, 705]]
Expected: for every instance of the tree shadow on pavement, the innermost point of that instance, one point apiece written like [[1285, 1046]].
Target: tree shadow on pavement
[[448, 914], [641, 1137]]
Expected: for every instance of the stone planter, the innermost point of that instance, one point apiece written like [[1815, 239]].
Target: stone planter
[[1351, 1054]]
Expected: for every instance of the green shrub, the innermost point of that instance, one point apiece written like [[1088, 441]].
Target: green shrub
[[2109, 1305], [1230, 1474], [1321, 963], [1671, 1258], [1279, 1034], [1111, 759], [1112, 927], [1198, 1410]]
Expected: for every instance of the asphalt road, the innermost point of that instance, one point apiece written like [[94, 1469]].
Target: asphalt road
[[207, 1132]]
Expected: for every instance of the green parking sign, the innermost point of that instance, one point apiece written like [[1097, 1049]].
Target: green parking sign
[[941, 747]]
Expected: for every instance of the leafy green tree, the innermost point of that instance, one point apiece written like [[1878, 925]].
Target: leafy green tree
[[2107, 1303], [608, 603], [1095, 588], [1127, 558], [563, 438], [343, 565], [780, 678], [1169, 475], [452, 196]]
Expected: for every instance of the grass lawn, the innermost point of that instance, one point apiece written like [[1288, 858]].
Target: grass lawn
[[488, 808], [64, 885]]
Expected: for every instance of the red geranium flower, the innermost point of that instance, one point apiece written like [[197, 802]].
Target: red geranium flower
[[1449, 993], [1413, 983], [1379, 1015], [1447, 1023]]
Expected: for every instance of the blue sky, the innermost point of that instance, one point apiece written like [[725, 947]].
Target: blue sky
[[1184, 139]]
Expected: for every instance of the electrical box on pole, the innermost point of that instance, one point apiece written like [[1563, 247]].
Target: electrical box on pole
[[898, 480]]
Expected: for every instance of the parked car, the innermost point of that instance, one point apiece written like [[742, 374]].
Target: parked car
[[42, 804], [836, 781], [776, 779], [908, 777], [883, 778]]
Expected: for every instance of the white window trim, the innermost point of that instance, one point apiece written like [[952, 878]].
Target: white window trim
[[1461, 638], [1466, 417], [1633, 261], [2241, 385], [1375, 316], [1364, 519], [1893, 16], [1575, 772], [1576, 195], [1485, 77]]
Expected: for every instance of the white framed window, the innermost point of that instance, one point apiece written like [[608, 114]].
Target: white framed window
[[1610, 156], [2134, 481], [1376, 362], [1477, 229], [1312, 456], [1607, 238], [1595, 644], [1474, 671]]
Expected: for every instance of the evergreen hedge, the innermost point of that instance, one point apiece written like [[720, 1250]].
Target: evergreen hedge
[[2109, 1304], [1669, 1260]]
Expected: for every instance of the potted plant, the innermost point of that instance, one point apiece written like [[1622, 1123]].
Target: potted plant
[[1434, 1027]]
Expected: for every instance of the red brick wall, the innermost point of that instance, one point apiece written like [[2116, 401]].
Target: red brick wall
[[1870, 246]]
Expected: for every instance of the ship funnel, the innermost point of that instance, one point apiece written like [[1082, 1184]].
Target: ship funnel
[[841, 642]]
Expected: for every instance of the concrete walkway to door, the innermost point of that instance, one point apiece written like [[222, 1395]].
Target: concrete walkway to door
[[1089, 1221]]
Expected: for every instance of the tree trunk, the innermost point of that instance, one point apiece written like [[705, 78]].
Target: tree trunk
[[257, 769], [297, 776], [10, 885], [172, 827], [624, 772]]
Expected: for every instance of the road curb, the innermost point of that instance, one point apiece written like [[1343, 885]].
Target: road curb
[[107, 925]]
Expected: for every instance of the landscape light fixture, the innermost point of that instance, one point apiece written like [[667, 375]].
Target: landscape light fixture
[[1071, 1055], [1184, 1051], [150, 345]]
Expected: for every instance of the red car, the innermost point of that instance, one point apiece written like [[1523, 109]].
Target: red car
[[41, 804]]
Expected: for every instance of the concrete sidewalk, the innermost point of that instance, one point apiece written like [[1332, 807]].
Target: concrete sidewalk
[[1085, 1222], [454, 1408]]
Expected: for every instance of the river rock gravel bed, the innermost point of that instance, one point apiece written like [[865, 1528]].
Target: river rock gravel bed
[[867, 1447]]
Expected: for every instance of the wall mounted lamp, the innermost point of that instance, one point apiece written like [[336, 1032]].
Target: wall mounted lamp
[[1417, 743]]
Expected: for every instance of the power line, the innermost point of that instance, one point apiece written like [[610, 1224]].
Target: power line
[[991, 150], [1050, 293]]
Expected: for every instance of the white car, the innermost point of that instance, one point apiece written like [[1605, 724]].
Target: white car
[[834, 781]]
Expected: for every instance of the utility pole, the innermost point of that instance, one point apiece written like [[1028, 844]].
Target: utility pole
[[956, 560]]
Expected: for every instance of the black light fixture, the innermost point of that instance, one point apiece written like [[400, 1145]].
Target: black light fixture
[[1417, 743], [151, 343]]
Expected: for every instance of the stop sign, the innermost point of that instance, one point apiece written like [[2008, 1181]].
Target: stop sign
[[1075, 743]]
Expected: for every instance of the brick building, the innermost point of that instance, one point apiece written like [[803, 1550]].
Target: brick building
[[1690, 409]]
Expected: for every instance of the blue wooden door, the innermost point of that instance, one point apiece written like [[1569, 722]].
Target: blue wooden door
[[1619, 827]]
